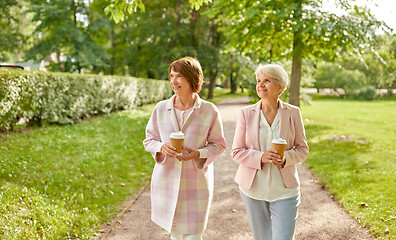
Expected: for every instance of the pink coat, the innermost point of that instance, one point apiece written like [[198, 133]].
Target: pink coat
[[182, 184], [246, 146]]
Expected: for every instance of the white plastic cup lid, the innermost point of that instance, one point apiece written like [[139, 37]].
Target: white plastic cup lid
[[177, 135], [279, 141]]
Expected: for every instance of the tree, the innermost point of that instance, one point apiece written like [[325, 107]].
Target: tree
[[334, 76], [205, 34], [154, 38], [297, 29], [378, 66], [62, 28], [104, 32], [209, 52], [169, 30], [238, 69], [326, 75], [9, 28], [118, 9]]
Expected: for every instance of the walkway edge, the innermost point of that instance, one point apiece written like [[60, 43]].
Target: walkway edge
[[124, 208]]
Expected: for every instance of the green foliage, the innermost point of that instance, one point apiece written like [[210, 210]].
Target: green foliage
[[62, 29], [68, 98], [196, 4], [360, 76], [64, 182], [326, 75], [118, 9], [270, 28], [77, 36], [298, 29], [9, 28], [352, 151], [160, 35], [378, 67], [367, 93], [166, 31], [229, 38], [353, 82]]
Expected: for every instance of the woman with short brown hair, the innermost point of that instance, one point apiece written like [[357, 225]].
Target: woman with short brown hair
[[191, 69], [182, 185]]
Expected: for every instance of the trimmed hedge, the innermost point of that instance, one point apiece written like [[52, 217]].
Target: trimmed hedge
[[64, 98]]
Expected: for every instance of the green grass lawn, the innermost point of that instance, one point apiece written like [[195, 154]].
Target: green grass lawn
[[61, 182], [353, 152]]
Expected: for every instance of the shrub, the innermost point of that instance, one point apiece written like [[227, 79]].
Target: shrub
[[333, 76], [65, 98], [367, 93]]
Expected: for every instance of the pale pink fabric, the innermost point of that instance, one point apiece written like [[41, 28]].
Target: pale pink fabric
[[182, 184], [181, 116], [246, 145]]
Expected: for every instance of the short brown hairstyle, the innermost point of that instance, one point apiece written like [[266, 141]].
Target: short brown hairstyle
[[191, 69]]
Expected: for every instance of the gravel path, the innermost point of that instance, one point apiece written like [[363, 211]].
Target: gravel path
[[320, 217]]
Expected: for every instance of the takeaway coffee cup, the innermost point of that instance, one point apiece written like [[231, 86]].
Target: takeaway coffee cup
[[177, 140], [279, 144]]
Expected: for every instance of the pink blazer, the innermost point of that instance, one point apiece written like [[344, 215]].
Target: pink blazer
[[246, 146], [182, 190]]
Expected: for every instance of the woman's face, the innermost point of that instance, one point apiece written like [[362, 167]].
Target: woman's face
[[266, 87], [180, 84]]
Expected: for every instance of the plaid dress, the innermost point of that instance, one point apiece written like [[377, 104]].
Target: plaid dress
[[181, 193]]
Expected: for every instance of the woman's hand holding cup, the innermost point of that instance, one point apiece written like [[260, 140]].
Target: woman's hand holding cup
[[168, 150], [174, 148], [192, 154], [177, 140], [272, 156], [279, 144]]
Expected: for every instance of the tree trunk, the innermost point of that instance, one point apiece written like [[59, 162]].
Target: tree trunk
[[269, 49], [193, 26], [112, 45], [176, 24], [74, 10], [233, 82], [212, 83], [294, 97], [20, 43]]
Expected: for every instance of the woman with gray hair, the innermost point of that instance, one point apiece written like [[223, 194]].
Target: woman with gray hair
[[268, 184]]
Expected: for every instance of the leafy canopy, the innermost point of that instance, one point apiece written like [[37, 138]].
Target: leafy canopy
[[117, 9]]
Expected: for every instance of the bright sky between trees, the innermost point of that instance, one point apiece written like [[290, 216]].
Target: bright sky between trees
[[384, 10]]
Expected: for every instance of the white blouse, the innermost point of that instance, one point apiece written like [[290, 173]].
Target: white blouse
[[268, 184], [181, 116]]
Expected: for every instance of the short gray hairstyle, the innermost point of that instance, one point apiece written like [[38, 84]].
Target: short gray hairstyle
[[275, 71]]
